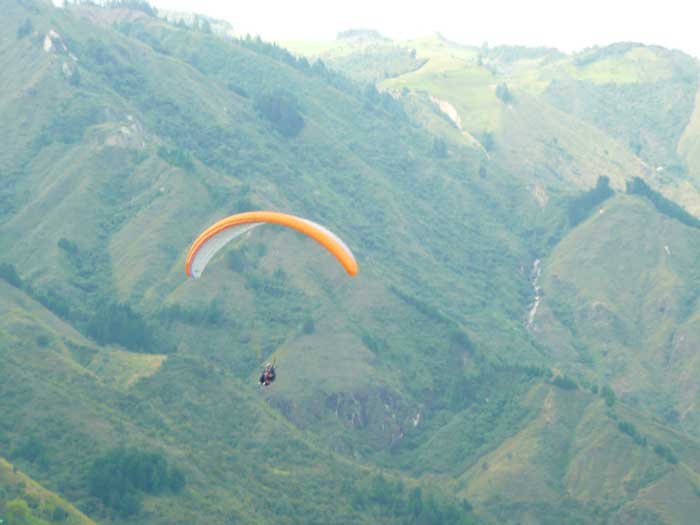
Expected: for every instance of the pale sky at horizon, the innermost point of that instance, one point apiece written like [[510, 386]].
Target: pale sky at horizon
[[568, 26]]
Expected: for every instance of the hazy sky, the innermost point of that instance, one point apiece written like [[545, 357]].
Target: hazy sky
[[569, 26]]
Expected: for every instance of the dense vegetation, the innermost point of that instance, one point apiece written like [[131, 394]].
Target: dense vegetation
[[395, 504], [666, 206], [582, 206], [281, 109], [631, 110], [119, 477], [418, 392]]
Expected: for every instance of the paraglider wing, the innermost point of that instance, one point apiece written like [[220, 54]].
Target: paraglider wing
[[211, 240]]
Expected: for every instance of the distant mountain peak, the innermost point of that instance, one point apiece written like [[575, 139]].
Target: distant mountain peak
[[137, 5], [198, 21], [362, 34]]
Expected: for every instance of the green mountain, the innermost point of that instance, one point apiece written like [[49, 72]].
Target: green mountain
[[426, 390], [365, 55], [627, 312], [17, 488], [633, 107], [580, 461], [559, 122]]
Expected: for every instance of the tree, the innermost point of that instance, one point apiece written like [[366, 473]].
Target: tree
[[439, 148], [118, 323], [33, 451], [581, 207], [119, 478], [608, 394], [25, 29], [371, 94], [565, 383], [281, 109], [628, 428], [137, 5], [74, 78], [9, 275], [59, 513], [666, 453], [503, 93], [205, 26], [17, 512], [415, 502], [309, 326], [487, 140], [176, 157], [637, 186]]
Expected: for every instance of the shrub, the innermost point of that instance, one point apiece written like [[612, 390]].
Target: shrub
[[628, 428], [503, 93], [439, 148], [238, 90], [309, 327], [565, 383], [281, 109], [59, 514], [176, 157], [487, 140], [582, 206], [67, 246], [117, 323], [666, 453], [637, 186], [119, 478], [607, 393], [25, 29], [9, 275], [33, 451], [17, 511]]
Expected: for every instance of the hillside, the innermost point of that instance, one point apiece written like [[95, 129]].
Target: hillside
[[98, 198], [632, 107], [581, 461], [25, 499], [556, 121], [364, 55], [121, 236], [413, 393], [61, 416], [620, 305]]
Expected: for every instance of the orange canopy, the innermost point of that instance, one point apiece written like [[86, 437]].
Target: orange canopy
[[211, 240]]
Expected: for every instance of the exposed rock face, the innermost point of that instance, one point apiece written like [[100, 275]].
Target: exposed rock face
[[380, 414], [449, 110], [128, 135], [53, 43]]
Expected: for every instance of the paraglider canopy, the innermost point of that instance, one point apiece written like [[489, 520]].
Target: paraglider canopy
[[214, 238]]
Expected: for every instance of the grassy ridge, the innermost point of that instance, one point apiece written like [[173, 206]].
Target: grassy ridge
[[43, 506], [578, 459], [629, 310], [641, 80]]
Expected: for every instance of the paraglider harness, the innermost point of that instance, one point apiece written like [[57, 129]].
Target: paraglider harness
[[267, 377]]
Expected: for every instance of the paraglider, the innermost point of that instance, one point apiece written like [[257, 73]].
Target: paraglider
[[219, 234], [214, 238], [268, 375]]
